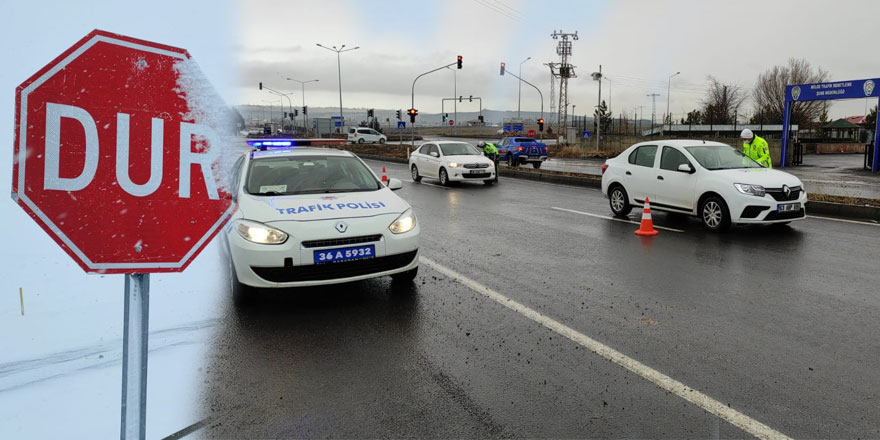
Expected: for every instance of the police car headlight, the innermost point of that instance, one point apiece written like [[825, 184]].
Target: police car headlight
[[405, 223], [259, 233], [454, 165], [755, 190]]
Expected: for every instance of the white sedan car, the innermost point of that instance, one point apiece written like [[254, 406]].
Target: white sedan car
[[360, 135], [314, 216], [451, 162], [711, 180]]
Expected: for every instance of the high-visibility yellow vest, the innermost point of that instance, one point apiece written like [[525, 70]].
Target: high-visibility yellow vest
[[759, 151]]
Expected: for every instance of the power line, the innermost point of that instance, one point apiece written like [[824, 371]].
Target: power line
[[497, 9]]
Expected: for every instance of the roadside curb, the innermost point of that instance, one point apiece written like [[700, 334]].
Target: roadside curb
[[858, 212], [839, 210]]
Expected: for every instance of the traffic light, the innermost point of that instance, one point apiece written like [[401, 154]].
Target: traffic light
[[295, 112], [370, 113], [305, 109], [459, 99], [398, 115], [412, 115], [459, 61], [502, 68], [541, 124], [445, 117], [471, 99], [480, 118], [261, 86], [285, 115]]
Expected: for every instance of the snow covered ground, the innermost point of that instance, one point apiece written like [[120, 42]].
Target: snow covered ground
[[60, 362]]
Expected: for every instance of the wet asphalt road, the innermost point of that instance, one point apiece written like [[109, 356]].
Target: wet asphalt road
[[779, 323]]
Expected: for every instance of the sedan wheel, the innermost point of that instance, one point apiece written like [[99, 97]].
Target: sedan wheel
[[713, 213], [381, 140], [444, 178], [361, 140], [415, 174], [619, 201]]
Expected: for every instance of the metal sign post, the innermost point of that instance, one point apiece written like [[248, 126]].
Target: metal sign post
[[135, 343]]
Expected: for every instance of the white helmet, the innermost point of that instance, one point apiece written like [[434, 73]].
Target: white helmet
[[746, 134]]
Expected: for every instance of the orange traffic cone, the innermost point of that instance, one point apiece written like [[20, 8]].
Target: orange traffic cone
[[647, 226], [384, 177]]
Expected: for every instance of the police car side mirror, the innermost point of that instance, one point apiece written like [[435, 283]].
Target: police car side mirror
[[686, 168], [394, 184]]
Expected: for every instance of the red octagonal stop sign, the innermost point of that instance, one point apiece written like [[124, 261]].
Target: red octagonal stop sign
[[114, 159]]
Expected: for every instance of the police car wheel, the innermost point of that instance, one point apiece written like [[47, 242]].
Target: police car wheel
[[405, 277], [619, 201], [242, 294], [415, 174], [444, 177], [361, 140], [714, 214]]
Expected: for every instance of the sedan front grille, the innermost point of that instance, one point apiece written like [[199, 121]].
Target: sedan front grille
[[779, 195], [476, 165], [341, 241]]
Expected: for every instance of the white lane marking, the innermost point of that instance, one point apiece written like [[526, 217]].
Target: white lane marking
[[529, 182], [663, 381], [613, 218], [843, 220], [434, 185]]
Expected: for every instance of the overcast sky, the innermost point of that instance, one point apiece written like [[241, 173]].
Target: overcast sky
[[639, 44]]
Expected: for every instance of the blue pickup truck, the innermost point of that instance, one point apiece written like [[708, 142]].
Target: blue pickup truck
[[521, 150]]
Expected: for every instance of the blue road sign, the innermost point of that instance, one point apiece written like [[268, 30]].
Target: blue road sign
[[401, 124], [513, 127], [585, 134]]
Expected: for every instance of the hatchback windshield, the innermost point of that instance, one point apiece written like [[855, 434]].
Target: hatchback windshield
[[459, 149], [724, 157], [309, 175]]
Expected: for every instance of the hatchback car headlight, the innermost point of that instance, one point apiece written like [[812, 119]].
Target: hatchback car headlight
[[755, 190], [405, 223], [259, 233]]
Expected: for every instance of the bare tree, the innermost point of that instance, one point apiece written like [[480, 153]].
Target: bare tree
[[769, 92], [722, 102]]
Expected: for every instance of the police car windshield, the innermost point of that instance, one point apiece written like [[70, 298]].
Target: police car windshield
[[724, 157], [459, 149], [309, 175]]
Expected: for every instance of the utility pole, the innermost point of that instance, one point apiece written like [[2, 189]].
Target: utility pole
[[598, 77], [668, 85], [566, 71], [653, 108], [519, 93], [553, 75]]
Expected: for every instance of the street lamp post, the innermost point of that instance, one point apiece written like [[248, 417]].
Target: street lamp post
[[668, 86], [339, 71], [541, 95], [519, 93], [305, 116], [281, 96]]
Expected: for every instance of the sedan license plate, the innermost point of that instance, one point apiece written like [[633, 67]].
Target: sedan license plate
[[477, 171], [788, 207], [345, 254]]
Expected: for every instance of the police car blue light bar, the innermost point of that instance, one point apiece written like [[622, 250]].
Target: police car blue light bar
[[265, 143]]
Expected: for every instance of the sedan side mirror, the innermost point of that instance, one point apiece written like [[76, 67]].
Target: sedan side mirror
[[394, 184], [686, 168], [435, 154]]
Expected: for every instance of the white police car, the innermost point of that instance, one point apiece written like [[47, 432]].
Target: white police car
[[314, 216]]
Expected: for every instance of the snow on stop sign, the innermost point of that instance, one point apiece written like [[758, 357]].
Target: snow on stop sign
[[117, 154]]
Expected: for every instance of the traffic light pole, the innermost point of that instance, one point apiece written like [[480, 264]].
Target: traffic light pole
[[459, 99], [412, 124], [539, 94]]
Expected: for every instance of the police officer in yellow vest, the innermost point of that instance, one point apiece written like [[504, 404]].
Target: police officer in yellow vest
[[756, 148], [490, 151]]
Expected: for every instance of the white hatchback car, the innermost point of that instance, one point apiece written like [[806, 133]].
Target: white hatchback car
[[711, 180], [361, 135], [451, 162], [314, 216]]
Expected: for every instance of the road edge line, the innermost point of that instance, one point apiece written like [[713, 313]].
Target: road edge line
[[663, 381]]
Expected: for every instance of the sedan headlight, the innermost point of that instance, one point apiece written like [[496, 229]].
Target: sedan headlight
[[405, 223], [259, 233], [755, 190], [454, 165]]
